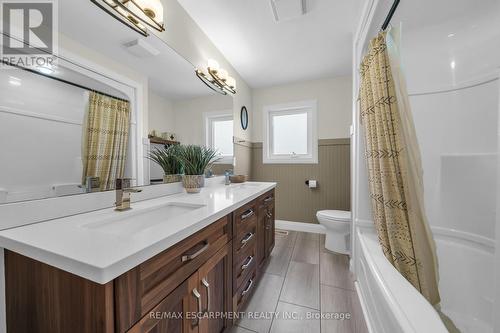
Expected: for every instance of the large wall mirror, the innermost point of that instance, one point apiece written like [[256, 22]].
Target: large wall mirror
[[112, 96]]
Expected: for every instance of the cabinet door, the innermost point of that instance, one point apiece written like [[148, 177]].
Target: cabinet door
[[215, 286], [172, 315], [261, 234], [269, 230]]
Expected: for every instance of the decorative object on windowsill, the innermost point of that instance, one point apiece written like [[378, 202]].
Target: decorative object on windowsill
[[238, 178], [217, 78], [169, 136], [244, 117], [167, 159], [136, 14], [196, 160], [161, 141]]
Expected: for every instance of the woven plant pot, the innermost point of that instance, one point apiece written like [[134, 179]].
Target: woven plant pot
[[193, 183], [167, 179]]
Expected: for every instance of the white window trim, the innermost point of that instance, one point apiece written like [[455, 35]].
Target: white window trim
[[208, 117], [312, 145]]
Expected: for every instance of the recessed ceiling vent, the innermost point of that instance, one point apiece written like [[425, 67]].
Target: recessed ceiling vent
[[288, 9], [141, 49]]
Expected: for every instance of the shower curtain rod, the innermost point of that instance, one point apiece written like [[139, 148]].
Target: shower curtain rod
[[390, 15], [62, 80]]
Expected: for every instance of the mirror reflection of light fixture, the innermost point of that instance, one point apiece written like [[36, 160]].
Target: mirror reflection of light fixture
[[137, 14], [217, 78], [46, 69]]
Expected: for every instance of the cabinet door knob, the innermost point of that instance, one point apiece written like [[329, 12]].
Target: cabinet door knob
[[247, 264], [268, 199], [197, 294], [247, 289], [247, 214], [247, 238], [187, 257], [207, 285]]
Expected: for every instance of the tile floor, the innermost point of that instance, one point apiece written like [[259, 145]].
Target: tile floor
[[303, 280]]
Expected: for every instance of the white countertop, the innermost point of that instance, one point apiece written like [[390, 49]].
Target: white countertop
[[70, 244]]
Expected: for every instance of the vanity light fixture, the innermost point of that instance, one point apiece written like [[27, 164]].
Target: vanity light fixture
[[137, 14], [217, 78]]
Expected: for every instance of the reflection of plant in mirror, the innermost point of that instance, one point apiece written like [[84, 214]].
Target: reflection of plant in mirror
[[196, 159], [167, 159]]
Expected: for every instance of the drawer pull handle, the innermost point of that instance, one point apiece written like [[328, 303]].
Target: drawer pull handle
[[247, 238], [268, 199], [187, 257], [247, 264], [207, 285], [197, 294], [250, 284], [247, 214]]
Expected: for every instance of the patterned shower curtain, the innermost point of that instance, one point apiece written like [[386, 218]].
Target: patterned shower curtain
[[105, 139], [394, 171]]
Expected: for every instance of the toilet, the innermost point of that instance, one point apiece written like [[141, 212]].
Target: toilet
[[337, 224]]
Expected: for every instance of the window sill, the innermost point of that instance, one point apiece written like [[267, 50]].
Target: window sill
[[290, 161]]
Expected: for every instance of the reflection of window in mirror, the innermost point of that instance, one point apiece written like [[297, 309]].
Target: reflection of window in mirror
[[219, 134]]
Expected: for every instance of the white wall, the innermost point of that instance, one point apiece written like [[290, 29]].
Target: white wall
[[189, 122], [334, 96], [186, 37], [161, 115]]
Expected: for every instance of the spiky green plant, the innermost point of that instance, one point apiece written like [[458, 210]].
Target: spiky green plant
[[167, 159], [196, 159]]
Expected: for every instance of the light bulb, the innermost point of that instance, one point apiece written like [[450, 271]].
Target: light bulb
[[213, 65], [222, 74], [147, 9], [231, 82]]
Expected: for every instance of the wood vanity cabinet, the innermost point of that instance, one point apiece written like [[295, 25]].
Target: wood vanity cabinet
[[213, 271], [187, 307], [266, 227]]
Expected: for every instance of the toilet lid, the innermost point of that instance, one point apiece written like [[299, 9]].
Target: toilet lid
[[335, 215]]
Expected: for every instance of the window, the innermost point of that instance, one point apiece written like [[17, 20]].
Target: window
[[219, 134], [290, 134]]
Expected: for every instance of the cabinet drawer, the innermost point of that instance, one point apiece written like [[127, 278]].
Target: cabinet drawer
[[245, 291], [267, 199], [246, 238], [142, 288], [244, 216], [245, 263]]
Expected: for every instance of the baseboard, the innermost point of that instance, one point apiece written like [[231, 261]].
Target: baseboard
[[300, 226]]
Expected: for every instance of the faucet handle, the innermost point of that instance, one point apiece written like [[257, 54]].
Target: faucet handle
[[122, 183]]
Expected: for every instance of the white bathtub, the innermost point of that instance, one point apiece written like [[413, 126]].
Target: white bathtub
[[391, 304]]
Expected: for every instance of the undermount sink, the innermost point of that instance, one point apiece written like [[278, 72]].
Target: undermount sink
[[133, 221]]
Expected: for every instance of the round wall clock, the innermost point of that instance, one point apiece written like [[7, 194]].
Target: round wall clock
[[244, 117]]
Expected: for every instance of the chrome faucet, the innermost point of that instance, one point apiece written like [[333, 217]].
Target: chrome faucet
[[123, 191]]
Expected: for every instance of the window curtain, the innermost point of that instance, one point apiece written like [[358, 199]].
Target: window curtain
[[395, 171], [105, 139]]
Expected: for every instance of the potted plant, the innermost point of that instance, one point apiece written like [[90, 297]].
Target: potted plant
[[195, 159], [167, 159]]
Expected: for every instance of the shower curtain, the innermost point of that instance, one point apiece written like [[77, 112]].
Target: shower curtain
[[394, 168], [105, 139]]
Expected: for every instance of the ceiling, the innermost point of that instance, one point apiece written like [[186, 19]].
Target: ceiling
[[170, 75], [265, 52]]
